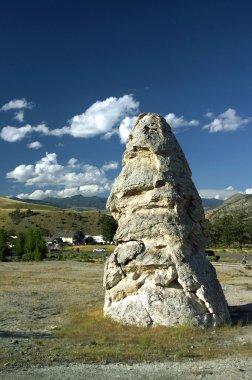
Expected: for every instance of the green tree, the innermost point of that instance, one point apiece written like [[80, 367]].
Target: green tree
[[4, 248], [213, 233], [19, 245], [30, 245], [239, 229], [108, 227], [248, 230], [40, 246], [34, 245], [225, 224], [78, 237]]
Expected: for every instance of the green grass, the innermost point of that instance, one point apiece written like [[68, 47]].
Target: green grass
[[97, 339]]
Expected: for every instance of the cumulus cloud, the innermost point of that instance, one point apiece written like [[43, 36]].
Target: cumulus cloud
[[226, 121], [105, 118], [100, 118], [125, 128], [13, 134], [16, 104], [109, 166], [219, 193], [248, 191], [34, 145], [87, 190], [72, 179], [178, 122], [19, 116], [21, 173]]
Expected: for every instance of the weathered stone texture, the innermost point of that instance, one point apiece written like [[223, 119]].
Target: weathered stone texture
[[158, 273]]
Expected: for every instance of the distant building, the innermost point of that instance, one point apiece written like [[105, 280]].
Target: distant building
[[67, 239], [98, 239]]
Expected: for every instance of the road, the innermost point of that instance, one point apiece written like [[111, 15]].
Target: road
[[235, 256]]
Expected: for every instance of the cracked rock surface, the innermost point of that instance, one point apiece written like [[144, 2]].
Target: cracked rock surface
[[158, 273]]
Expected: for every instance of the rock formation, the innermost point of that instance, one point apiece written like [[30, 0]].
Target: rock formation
[[158, 273]]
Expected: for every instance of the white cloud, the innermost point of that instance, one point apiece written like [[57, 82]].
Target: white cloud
[[209, 115], [178, 122], [125, 128], [248, 191], [16, 104], [100, 118], [21, 173], [73, 178], [105, 118], [19, 116], [219, 193], [34, 145], [109, 166], [226, 121], [73, 162], [87, 190], [13, 134]]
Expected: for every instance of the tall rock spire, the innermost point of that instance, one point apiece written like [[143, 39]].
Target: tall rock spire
[[158, 273]]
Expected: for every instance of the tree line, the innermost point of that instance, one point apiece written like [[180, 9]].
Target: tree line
[[29, 245], [229, 231]]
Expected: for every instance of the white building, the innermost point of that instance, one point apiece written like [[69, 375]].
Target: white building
[[99, 239]]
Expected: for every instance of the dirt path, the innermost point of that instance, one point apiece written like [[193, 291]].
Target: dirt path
[[229, 369]]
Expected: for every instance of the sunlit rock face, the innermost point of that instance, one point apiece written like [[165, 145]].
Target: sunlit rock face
[[158, 273]]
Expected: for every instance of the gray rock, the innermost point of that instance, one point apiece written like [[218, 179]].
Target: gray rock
[[158, 273]]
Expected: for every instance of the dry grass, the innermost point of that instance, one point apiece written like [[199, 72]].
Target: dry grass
[[89, 248], [54, 311], [49, 218], [225, 277]]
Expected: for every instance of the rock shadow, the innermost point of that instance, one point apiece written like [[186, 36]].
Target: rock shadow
[[241, 314]]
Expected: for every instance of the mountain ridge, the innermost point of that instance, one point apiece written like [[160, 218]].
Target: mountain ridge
[[77, 202], [214, 208]]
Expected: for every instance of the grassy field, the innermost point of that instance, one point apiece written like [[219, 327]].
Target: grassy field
[[52, 312], [82, 253], [48, 218]]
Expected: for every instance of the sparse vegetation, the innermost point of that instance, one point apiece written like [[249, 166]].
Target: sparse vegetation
[[59, 311], [46, 218]]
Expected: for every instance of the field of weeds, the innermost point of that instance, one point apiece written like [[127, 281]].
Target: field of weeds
[[51, 312]]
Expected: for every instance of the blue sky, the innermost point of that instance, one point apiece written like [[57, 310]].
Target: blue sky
[[75, 74]]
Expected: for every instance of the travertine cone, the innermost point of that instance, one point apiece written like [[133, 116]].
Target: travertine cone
[[158, 274]]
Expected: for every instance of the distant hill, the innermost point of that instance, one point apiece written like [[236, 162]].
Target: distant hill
[[53, 220], [77, 202], [13, 203], [232, 205], [210, 203], [83, 213]]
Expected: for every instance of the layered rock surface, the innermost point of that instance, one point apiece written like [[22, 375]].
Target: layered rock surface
[[158, 273]]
